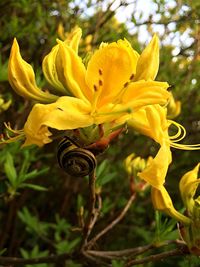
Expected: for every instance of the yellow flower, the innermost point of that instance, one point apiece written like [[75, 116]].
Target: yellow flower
[[133, 166], [188, 186], [115, 85], [190, 224], [22, 78], [152, 121]]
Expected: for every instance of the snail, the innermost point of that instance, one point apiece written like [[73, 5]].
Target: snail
[[76, 161]]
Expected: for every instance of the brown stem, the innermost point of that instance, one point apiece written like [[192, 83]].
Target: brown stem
[[96, 211], [9, 223], [113, 223], [182, 250], [21, 262], [120, 253], [132, 252], [91, 211]]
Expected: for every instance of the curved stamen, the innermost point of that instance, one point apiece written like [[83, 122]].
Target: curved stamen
[[185, 147], [181, 132], [19, 134]]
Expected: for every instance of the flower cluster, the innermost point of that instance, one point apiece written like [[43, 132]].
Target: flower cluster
[[116, 87]]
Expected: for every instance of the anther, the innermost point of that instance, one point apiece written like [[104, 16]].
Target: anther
[[126, 84], [132, 76], [100, 72], [95, 87], [100, 83]]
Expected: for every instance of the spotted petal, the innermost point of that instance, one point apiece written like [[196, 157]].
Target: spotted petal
[[143, 93], [109, 69]]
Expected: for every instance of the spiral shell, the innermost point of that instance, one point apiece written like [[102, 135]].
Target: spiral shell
[[74, 160]]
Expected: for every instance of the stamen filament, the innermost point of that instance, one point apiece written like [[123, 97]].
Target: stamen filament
[[127, 110], [181, 130]]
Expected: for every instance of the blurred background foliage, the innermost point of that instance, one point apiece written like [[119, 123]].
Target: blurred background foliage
[[39, 204]]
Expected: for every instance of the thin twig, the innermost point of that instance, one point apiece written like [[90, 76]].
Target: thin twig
[[131, 252], [157, 257], [96, 260], [97, 211], [21, 262], [113, 223], [120, 253]]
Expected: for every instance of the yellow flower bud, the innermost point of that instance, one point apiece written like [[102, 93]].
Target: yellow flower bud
[[148, 62]]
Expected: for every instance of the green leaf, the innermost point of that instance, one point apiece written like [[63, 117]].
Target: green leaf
[[66, 246], [10, 170], [33, 186], [35, 173], [2, 251]]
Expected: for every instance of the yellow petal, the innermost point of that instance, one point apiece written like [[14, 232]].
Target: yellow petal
[[66, 114], [109, 69], [148, 62], [156, 116], [71, 71], [143, 93], [151, 121], [140, 123], [156, 171], [188, 186], [162, 201], [50, 72], [22, 78]]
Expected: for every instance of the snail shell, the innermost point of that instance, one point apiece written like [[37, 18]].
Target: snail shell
[[74, 160]]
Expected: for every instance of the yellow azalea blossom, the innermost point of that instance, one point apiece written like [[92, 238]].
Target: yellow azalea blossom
[[115, 85], [22, 78], [152, 121], [133, 166], [188, 186], [190, 224]]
